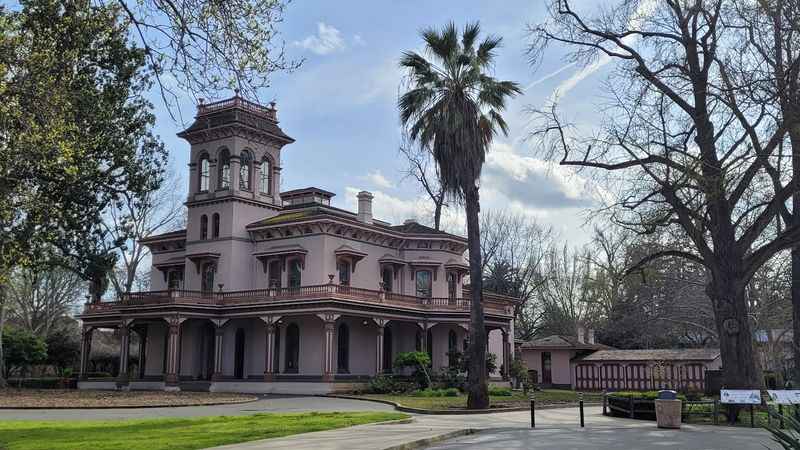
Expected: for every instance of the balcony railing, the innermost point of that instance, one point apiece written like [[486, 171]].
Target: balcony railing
[[492, 304]]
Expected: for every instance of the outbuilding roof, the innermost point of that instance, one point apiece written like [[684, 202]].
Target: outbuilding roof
[[558, 341], [686, 354]]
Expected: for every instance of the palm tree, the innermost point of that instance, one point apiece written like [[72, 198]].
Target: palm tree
[[452, 108]]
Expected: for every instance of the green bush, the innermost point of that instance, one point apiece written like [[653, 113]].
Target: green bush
[[499, 391], [641, 395], [44, 383], [449, 392], [788, 438], [420, 362], [383, 384]]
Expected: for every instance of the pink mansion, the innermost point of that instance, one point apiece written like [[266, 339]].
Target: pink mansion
[[280, 292]]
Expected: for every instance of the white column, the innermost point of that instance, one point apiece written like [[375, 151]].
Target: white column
[[219, 341], [171, 378], [86, 350], [124, 352]]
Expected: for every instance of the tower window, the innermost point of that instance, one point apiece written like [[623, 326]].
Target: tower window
[[224, 162], [203, 227], [205, 172], [245, 161], [266, 176], [215, 226]]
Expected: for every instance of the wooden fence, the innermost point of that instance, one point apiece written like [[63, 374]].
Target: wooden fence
[[640, 376]]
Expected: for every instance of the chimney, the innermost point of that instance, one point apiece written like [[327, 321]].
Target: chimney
[[590, 336], [580, 335], [365, 207]]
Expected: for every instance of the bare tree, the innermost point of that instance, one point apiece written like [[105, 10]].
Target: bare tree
[[689, 150], [422, 168], [202, 46], [133, 219], [514, 248], [39, 299]]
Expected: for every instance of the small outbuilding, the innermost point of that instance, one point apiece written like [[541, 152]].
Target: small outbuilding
[[549, 358], [648, 369]]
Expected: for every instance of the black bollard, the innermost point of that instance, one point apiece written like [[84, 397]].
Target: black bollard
[[752, 417], [533, 412], [580, 406]]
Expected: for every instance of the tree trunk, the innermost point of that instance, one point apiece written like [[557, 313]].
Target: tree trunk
[[795, 288], [3, 383], [477, 388], [437, 213], [735, 336]]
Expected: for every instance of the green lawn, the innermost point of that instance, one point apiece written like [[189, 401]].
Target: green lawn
[[517, 399], [172, 433]]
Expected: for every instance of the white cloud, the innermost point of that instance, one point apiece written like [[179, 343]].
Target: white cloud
[[378, 179], [358, 41], [327, 40]]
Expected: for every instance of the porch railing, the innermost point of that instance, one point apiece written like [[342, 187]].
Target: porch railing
[[314, 292]]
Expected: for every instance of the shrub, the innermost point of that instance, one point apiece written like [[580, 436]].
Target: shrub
[[419, 361], [499, 391], [449, 392], [788, 438], [383, 384]]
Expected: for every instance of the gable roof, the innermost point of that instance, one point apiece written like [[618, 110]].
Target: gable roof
[[558, 341], [685, 354], [411, 227]]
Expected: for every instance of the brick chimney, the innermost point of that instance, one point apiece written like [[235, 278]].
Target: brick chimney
[[365, 207], [590, 336], [581, 332]]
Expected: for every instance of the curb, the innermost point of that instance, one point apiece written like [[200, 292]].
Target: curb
[[254, 399], [426, 442], [453, 412]]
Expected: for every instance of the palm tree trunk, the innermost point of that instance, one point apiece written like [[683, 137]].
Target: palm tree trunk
[[477, 388]]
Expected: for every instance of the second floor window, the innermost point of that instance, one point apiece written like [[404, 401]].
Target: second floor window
[[295, 274], [387, 277], [344, 273], [215, 225], [203, 227], [452, 282], [274, 274], [424, 281], [207, 282], [175, 279], [205, 173]]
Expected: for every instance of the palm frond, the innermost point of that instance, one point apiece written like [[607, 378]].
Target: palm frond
[[468, 37]]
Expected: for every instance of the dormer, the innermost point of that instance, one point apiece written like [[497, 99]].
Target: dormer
[[306, 197]]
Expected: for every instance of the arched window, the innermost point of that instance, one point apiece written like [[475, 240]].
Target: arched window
[[215, 225], [429, 341], [452, 348], [265, 176], [294, 273], [245, 163], [205, 172], [209, 269], [224, 164], [292, 348], [418, 341], [343, 349], [203, 227], [387, 349], [238, 355]]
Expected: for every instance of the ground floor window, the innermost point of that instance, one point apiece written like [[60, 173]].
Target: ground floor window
[[343, 349], [292, 348], [238, 366], [452, 349], [387, 350]]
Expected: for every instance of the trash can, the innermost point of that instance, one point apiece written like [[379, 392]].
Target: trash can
[[668, 409]]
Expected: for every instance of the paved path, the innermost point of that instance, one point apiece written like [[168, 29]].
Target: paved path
[[556, 429], [272, 403]]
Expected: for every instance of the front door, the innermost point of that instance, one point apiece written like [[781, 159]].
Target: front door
[[547, 366]]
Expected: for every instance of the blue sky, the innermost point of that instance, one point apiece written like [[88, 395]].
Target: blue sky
[[340, 106]]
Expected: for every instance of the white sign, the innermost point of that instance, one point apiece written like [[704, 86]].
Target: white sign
[[740, 396], [785, 397]]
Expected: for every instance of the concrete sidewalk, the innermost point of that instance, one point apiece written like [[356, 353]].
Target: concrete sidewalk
[[555, 429]]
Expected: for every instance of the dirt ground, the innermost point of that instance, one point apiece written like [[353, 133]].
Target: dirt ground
[[55, 398]]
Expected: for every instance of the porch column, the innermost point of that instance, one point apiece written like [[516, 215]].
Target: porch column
[[171, 379], [269, 351], [328, 345], [86, 350], [124, 353], [506, 355], [381, 323], [219, 341]]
